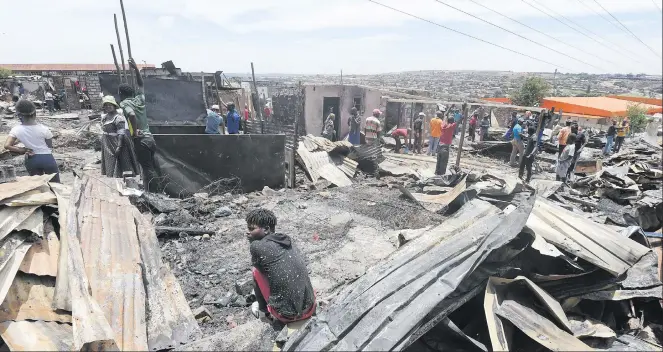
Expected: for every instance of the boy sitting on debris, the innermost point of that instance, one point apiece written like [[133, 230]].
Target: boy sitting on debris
[[281, 283]]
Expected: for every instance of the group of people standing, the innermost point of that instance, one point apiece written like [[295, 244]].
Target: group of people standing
[[127, 146], [218, 123]]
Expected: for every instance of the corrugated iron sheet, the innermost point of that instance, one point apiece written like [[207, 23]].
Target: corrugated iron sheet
[[11, 217], [319, 164], [30, 298], [62, 297], [90, 328], [348, 166], [10, 267], [170, 321], [22, 185], [37, 336], [33, 223], [314, 143], [42, 258], [334, 175], [39, 196], [595, 243], [111, 254]]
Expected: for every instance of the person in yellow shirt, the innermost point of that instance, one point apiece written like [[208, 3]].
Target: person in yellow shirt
[[435, 132], [622, 131]]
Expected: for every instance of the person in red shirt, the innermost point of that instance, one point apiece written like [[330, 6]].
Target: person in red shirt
[[443, 149], [246, 112], [473, 125], [268, 112], [397, 134]]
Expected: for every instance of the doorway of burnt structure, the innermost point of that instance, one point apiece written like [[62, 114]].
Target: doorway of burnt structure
[[333, 103], [393, 114]]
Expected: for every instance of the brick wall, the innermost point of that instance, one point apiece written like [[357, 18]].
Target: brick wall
[[93, 88]]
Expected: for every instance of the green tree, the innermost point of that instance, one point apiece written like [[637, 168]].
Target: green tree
[[531, 92], [637, 115], [5, 72]]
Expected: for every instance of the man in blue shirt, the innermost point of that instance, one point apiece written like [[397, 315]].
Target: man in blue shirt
[[214, 121], [457, 117], [233, 119], [517, 144]]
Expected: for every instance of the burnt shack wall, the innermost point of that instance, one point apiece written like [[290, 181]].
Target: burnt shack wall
[[166, 99], [287, 105], [190, 162]]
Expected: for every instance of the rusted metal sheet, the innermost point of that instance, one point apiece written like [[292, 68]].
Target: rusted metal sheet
[[170, 322], [313, 143], [62, 297], [39, 196], [30, 298], [10, 266], [111, 254], [319, 164], [595, 243], [11, 217], [90, 328], [43, 257], [22, 185], [37, 336]]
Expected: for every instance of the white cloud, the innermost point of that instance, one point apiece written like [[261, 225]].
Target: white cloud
[[166, 21]]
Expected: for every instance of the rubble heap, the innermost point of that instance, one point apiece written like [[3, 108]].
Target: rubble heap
[[524, 274], [81, 268]]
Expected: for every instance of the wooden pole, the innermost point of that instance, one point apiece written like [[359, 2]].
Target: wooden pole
[[409, 135], [117, 67], [341, 77], [259, 108], [216, 84], [462, 134], [119, 47], [126, 33], [204, 88], [295, 141]]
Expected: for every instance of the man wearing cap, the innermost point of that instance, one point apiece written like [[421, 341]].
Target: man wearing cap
[[418, 132], [214, 121], [373, 128]]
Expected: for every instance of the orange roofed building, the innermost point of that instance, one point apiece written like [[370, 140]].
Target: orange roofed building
[[594, 111]]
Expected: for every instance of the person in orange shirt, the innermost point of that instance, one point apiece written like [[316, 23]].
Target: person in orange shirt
[[562, 136], [435, 132]]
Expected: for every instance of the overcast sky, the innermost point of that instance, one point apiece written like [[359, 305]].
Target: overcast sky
[[316, 36]]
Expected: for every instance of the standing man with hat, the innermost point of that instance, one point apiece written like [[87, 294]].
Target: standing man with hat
[[214, 121]]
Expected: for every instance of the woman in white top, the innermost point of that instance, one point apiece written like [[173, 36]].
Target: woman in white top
[[37, 140]]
